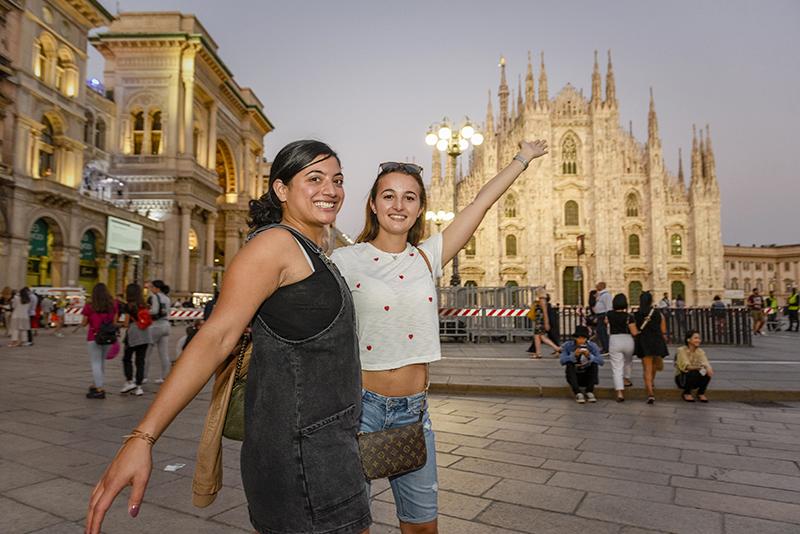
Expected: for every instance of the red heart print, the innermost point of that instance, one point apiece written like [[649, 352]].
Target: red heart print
[[401, 277], [430, 299], [386, 308], [358, 285], [410, 336], [369, 347], [374, 259], [411, 254]]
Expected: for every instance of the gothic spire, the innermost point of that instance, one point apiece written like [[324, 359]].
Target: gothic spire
[[489, 115], [543, 98], [712, 167], [611, 86], [652, 121], [680, 169], [529, 88], [519, 95], [703, 160], [502, 93], [596, 96], [697, 162], [436, 172]]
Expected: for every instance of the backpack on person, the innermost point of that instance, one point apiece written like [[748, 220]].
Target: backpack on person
[[107, 333], [143, 319]]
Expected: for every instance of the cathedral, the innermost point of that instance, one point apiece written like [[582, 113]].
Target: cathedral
[[601, 206]]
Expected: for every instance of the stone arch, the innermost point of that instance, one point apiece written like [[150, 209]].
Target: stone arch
[[511, 245], [43, 56], [54, 221], [226, 167], [99, 234], [570, 147], [91, 256], [46, 241], [633, 204], [571, 213]]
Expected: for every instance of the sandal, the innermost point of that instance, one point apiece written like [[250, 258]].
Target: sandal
[[651, 399], [620, 398], [688, 397], [627, 383], [702, 398], [535, 356]]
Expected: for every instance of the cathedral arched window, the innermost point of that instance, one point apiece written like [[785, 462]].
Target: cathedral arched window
[[676, 245], [470, 249], [634, 292], [569, 156], [510, 205], [100, 134], [734, 283], [138, 131], [633, 245], [46, 149], [155, 133], [632, 205], [571, 215], [511, 245]]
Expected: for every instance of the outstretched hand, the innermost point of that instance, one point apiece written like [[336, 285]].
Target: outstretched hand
[[530, 150]]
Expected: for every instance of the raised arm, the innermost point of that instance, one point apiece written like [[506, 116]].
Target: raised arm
[[256, 272], [458, 232]]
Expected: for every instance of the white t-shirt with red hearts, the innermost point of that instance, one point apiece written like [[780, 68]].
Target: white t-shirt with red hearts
[[397, 314]]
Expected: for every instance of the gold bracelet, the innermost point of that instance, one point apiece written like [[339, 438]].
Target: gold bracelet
[[136, 433]]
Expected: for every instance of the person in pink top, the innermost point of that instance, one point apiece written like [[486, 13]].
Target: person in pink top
[[98, 313]]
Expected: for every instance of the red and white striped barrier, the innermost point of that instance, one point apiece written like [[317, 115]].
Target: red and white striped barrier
[[185, 314], [480, 312]]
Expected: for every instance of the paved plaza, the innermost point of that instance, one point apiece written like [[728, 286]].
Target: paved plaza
[[506, 463]]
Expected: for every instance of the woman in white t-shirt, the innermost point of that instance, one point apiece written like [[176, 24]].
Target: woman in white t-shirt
[[390, 273]]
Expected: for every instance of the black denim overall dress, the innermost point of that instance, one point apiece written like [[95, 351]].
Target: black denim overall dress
[[301, 468]]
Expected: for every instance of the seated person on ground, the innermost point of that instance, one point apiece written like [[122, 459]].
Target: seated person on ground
[[692, 370], [581, 359]]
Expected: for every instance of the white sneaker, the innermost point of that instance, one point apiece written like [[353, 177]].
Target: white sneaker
[[139, 392], [590, 397], [129, 386], [159, 381], [579, 398], [144, 381]]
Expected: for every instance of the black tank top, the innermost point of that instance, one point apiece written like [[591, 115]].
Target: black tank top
[[290, 313]]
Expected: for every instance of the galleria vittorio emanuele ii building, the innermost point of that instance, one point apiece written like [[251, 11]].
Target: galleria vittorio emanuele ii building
[[144, 174], [642, 227]]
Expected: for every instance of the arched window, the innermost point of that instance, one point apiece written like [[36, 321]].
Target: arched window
[[511, 245], [571, 213], [155, 133], [88, 127], [760, 285], [633, 245], [676, 245], [569, 156], [46, 149], [510, 205], [634, 292], [470, 283], [100, 134], [61, 68], [470, 249], [747, 285], [678, 290], [734, 283], [632, 205], [138, 132]]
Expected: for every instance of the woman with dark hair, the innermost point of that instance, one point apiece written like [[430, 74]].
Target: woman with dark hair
[[622, 328], [160, 330], [541, 326], [651, 346], [137, 338], [300, 465], [692, 369], [101, 309], [391, 273], [20, 316]]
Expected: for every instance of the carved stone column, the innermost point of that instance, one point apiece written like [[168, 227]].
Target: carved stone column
[[212, 136], [211, 222], [102, 269], [57, 260], [183, 246]]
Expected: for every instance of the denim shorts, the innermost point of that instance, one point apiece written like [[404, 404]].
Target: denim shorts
[[416, 493]]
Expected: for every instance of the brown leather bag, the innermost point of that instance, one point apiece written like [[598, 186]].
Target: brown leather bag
[[396, 451]]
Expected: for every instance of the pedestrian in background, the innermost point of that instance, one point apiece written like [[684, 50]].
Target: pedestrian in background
[[771, 309], [46, 307], [555, 325], [32, 322], [603, 306], [59, 309], [541, 326], [20, 316], [719, 314], [792, 307], [160, 329], [621, 326], [137, 321], [5, 308], [692, 370], [755, 303], [581, 358], [651, 346], [97, 314]]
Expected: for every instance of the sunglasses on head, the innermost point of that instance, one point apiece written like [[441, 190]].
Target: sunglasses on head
[[392, 166]]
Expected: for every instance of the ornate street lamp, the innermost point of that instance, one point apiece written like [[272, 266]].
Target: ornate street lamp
[[453, 141]]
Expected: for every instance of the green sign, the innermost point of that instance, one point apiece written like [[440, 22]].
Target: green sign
[[89, 246], [38, 239], [88, 272]]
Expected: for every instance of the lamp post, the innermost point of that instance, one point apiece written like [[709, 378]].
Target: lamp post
[[438, 217], [453, 141]]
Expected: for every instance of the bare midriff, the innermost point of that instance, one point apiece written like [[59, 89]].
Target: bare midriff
[[401, 382]]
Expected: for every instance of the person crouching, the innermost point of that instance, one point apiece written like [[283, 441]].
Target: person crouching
[[581, 359], [692, 369]]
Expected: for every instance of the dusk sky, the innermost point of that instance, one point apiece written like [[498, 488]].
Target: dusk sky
[[369, 77]]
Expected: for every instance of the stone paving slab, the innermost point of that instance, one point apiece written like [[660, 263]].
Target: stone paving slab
[[507, 464]]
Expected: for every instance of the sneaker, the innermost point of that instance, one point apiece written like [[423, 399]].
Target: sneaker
[[159, 381], [590, 397], [579, 398], [138, 392], [144, 381], [95, 393], [129, 386], [59, 334]]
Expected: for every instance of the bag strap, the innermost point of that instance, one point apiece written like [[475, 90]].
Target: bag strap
[[647, 319], [427, 261], [244, 342]]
